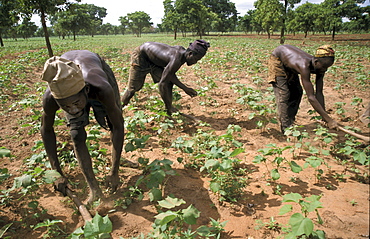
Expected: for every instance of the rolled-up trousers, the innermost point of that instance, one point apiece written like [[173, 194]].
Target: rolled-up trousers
[[288, 92]]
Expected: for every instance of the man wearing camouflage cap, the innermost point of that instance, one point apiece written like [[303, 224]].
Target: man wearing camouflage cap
[[285, 63], [162, 62], [77, 81]]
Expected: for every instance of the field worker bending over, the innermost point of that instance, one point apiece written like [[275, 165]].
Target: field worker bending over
[[285, 63], [77, 81], [162, 62]]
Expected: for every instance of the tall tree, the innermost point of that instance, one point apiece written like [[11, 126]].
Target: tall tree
[[305, 16], [245, 23], [44, 8], [172, 18], [107, 29], [335, 10], [124, 24], [288, 5], [361, 23], [268, 14], [226, 12], [195, 14], [137, 21], [73, 19], [8, 16], [27, 28], [96, 17]]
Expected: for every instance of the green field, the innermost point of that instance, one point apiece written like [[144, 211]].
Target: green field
[[235, 158]]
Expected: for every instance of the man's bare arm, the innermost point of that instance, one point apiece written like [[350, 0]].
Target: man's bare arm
[[47, 131], [314, 101], [106, 96]]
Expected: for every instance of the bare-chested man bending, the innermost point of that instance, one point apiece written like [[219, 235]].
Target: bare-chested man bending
[[285, 63], [77, 81], [162, 62]]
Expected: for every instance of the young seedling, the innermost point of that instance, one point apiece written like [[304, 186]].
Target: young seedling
[[301, 225]]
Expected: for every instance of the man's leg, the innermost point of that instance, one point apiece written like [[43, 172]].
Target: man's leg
[[135, 83], [296, 93], [138, 71], [282, 95]]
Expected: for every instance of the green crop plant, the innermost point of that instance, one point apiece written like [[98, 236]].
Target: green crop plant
[[301, 226], [274, 154], [98, 228], [254, 100], [315, 160], [314, 114], [324, 136], [134, 127], [273, 227], [216, 155], [277, 159], [97, 153], [340, 109], [204, 140], [353, 149], [296, 137], [177, 223], [357, 105], [353, 202], [226, 179], [154, 177], [5, 196], [352, 153], [52, 228]]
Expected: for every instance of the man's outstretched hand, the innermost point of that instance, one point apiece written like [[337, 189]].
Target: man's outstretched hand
[[191, 92], [333, 124]]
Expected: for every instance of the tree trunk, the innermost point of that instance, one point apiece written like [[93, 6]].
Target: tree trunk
[[1, 41], [175, 36], [282, 38], [333, 35], [46, 34]]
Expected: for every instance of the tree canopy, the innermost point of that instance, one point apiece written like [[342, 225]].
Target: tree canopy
[[137, 21]]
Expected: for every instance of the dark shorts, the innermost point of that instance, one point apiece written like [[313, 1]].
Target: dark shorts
[[287, 89], [140, 67]]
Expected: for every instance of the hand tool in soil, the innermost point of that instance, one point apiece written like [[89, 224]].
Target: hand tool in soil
[[81, 207], [359, 136]]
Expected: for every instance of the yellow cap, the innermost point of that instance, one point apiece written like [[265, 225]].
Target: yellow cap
[[64, 77], [325, 50]]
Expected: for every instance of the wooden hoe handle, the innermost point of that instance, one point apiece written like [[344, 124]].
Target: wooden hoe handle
[[362, 137], [81, 207]]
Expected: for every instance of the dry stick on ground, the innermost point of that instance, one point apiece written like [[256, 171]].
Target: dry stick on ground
[[81, 207]]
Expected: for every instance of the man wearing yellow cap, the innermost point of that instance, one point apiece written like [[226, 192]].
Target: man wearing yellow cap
[[285, 64], [162, 62], [77, 81]]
